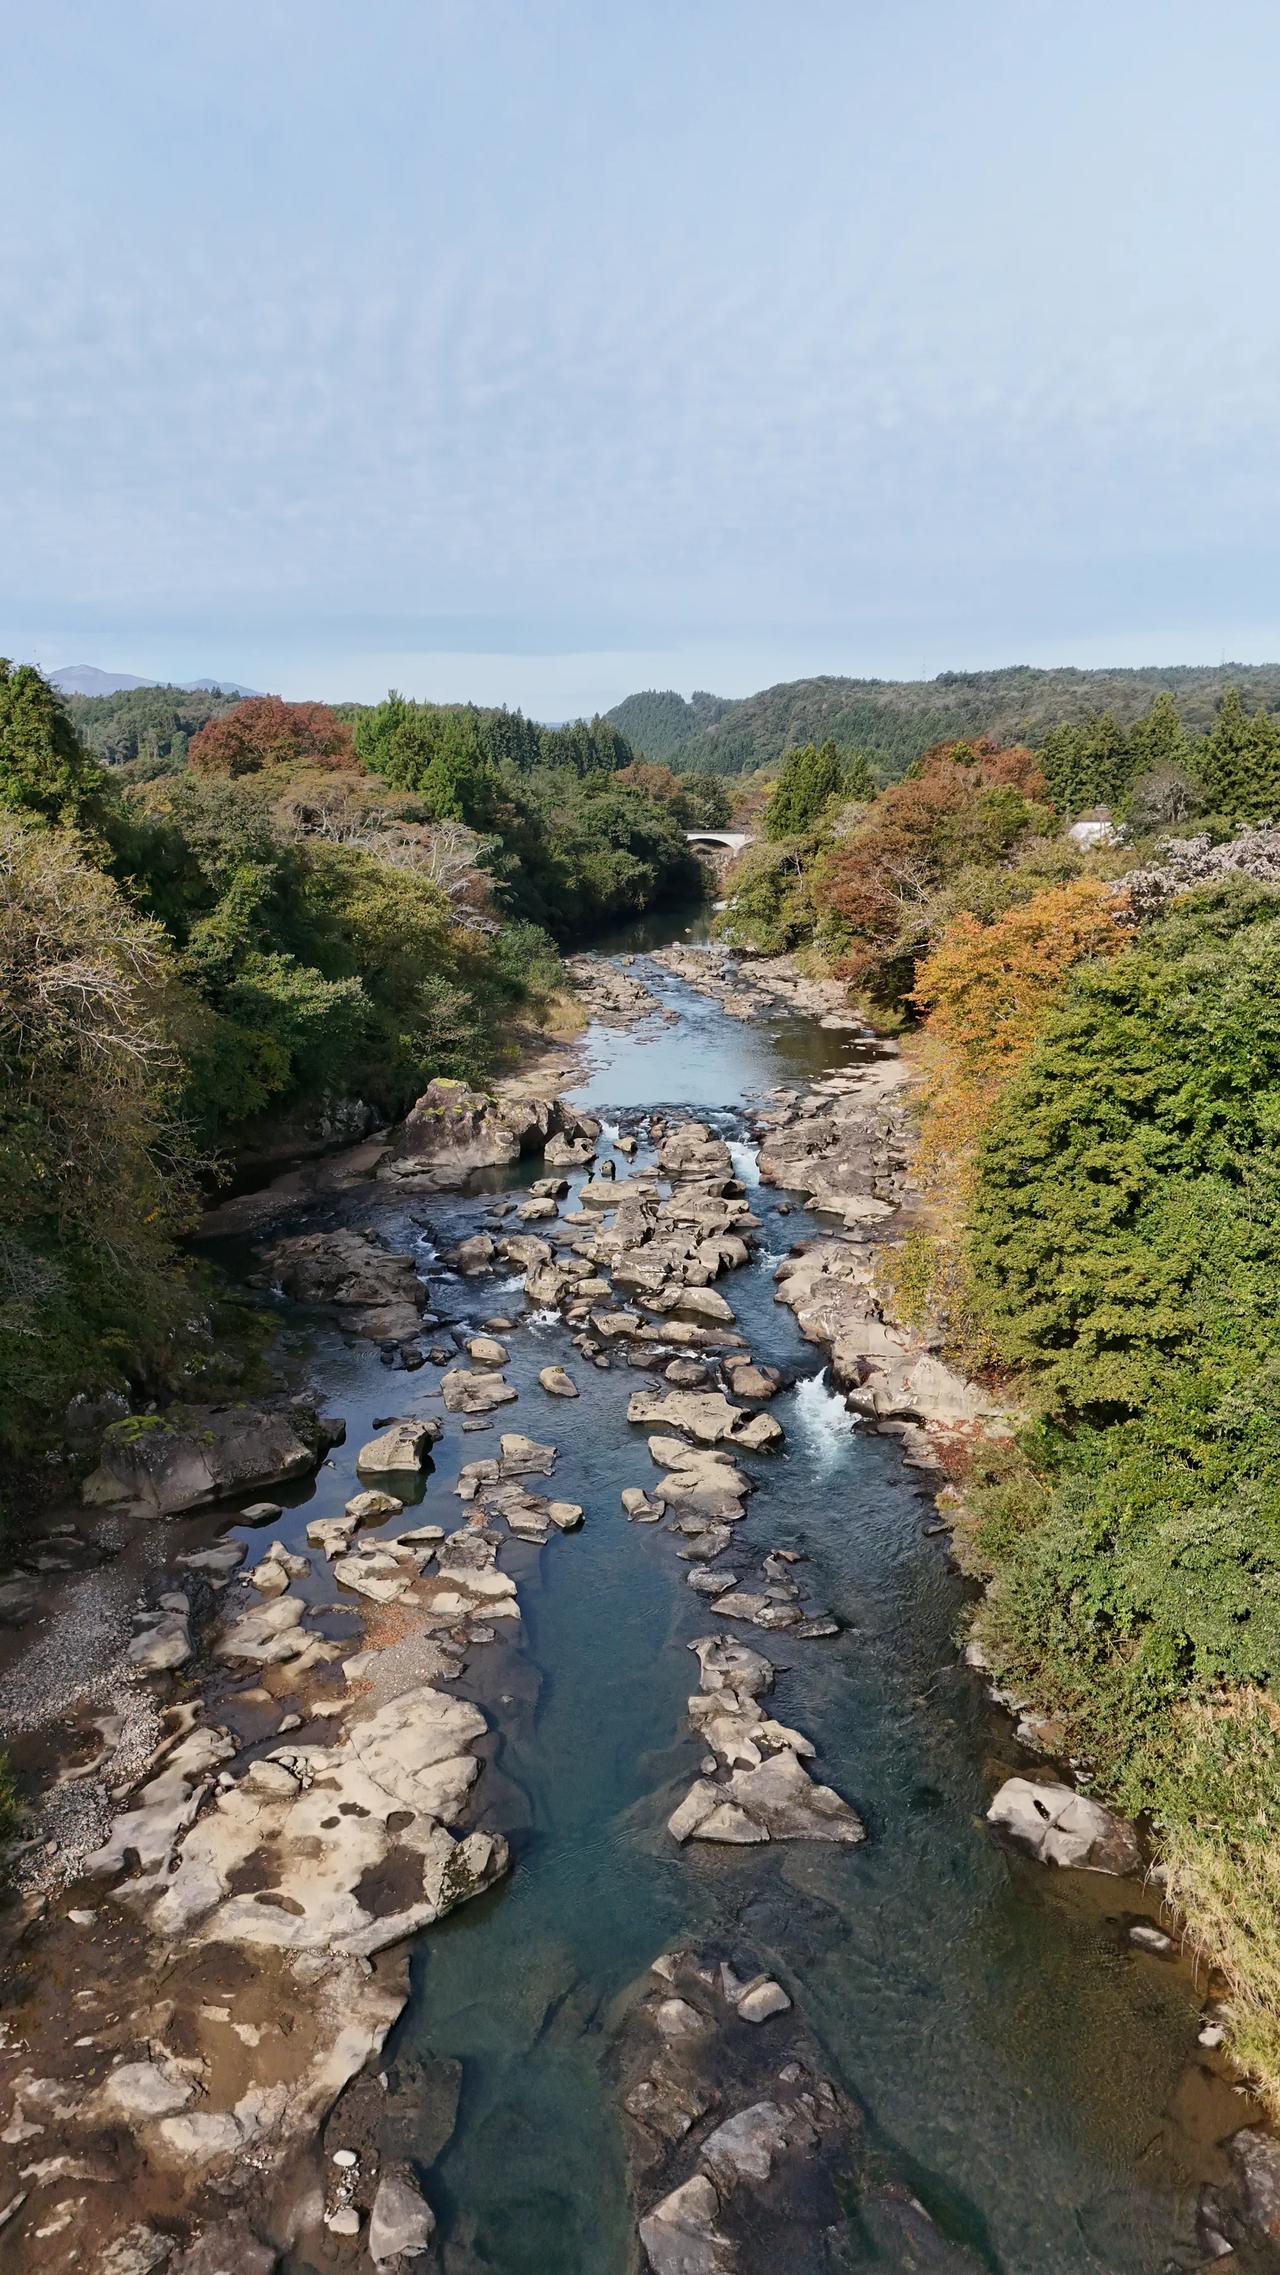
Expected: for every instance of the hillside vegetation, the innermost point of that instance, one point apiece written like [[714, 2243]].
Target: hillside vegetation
[[289, 934], [897, 721], [1099, 1160]]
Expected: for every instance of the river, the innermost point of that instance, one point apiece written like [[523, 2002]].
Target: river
[[1028, 2071]]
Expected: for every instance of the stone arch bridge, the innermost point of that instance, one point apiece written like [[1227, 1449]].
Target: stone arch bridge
[[732, 839]]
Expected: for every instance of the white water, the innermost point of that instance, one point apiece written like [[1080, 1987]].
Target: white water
[[821, 1420], [743, 1157]]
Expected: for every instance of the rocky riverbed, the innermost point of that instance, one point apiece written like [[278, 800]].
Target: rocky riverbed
[[292, 1750]]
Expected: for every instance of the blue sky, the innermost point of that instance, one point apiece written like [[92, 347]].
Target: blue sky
[[538, 350]]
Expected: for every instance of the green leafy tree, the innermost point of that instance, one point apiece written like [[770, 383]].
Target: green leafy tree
[[95, 1170], [44, 771]]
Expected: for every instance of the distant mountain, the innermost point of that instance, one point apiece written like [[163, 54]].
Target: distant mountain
[[896, 720], [86, 679]]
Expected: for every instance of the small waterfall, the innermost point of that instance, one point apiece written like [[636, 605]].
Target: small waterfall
[[743, 1157], [822, 1422], [610, 1132]]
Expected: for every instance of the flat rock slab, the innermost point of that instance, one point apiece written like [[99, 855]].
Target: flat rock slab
[[468, 1391]]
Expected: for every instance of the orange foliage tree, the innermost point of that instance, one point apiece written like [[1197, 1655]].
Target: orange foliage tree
[[987, 990], [265, 731], [963, 804]]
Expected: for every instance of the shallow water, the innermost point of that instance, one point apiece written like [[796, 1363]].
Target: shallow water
[[1030, 2073]]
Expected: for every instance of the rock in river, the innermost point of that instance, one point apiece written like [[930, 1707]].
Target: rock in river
[[1061, 1826], [164, 1463], [705, 1415], [404, 1446], [401, 2223], [467, 1391]]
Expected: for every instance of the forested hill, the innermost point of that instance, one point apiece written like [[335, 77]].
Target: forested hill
[[895, 721], [154, 724]]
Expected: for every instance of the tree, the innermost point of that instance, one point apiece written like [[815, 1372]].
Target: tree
[[1158, 740], [1224, 759], [988, 990], [44, 771], [810, 780], [95, 1174], [877, 888], [266, 732]]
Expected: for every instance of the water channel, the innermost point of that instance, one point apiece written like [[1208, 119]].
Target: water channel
[[1029, 2072]]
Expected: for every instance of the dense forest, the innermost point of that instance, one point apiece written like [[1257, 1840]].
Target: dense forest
[[897, 721], [307, 919], [148, 726]]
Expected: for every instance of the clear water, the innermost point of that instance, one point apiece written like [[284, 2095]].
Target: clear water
[[1029, 2073]]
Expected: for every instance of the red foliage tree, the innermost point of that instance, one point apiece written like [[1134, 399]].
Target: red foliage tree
[[962, 803], [267, 732]]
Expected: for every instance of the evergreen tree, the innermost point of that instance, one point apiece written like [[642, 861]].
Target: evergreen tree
[[1159, 739], [44, 770], [1224, 758], [809, 780]]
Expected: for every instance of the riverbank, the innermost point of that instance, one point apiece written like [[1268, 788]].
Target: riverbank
[[565, 1732]]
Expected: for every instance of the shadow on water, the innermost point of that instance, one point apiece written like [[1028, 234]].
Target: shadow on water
[[1021, 2064]]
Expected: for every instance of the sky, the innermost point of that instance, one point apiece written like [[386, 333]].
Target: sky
[[535, 351]]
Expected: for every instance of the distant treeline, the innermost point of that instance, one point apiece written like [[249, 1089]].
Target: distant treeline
[[151, 724], [896, 721]]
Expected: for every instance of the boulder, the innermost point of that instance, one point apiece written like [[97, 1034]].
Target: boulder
[[468, 1391], [639, 1507], [165, 1463], [372, 1291], [403, 1446], [706, 1415], [569, 1152], [1061, 1826], [401, 2222], [271, 1634], [487, 1351], [558, 1383], [272, 1576], [525, 1457], [1255, 2161], [473, 1255], [699, 1480], [163, 1641], [762, 1999], [453, 1130], [680, 2235]]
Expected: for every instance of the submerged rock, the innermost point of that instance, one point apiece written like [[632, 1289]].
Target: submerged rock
[[741, 2153]]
